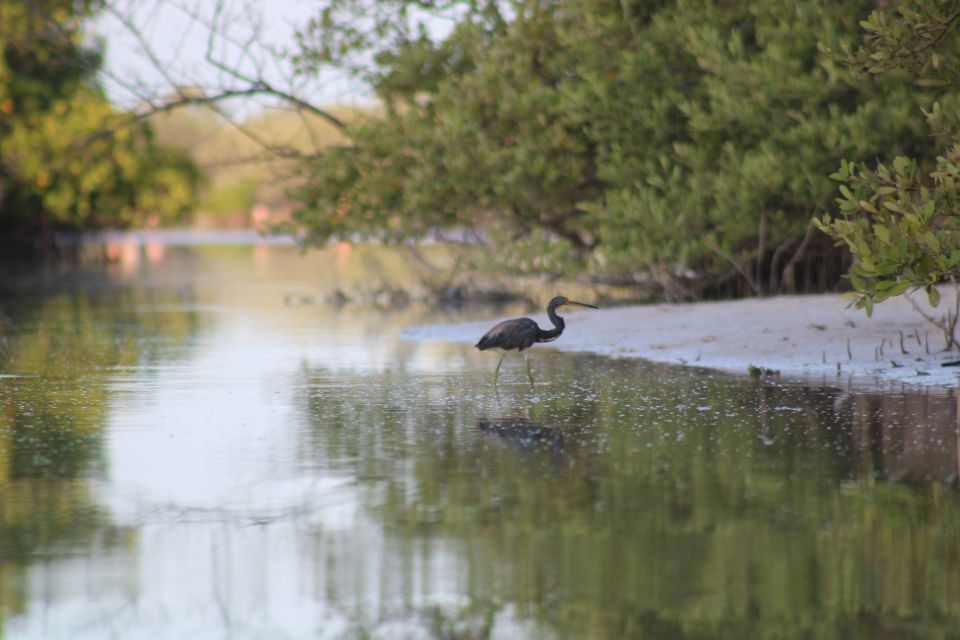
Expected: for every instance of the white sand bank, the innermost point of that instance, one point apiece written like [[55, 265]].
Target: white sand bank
[[800, 336]]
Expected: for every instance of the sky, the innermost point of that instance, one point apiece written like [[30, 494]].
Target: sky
[[173, 42]]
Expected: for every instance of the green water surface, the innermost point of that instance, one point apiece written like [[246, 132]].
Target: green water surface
[[194, 445]]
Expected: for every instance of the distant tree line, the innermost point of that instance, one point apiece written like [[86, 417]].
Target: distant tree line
[[690, 144], [69, 160]]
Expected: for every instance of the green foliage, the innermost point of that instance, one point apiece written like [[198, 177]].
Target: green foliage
[[894, 225], [915, 38], [716, 126], [899, 220], [490, 145], [67, 158], [684, 143]]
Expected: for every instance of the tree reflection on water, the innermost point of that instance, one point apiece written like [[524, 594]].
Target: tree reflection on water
[[184, 451], [645, 501], [57, 361]]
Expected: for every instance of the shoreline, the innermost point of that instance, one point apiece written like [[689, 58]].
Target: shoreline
[[805, 336]]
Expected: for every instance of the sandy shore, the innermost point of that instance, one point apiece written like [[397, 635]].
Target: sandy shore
[[814, 336]]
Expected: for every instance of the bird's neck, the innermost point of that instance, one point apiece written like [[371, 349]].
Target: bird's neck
[[545, 335]]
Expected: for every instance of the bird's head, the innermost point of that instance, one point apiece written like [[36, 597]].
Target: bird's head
[[559, 301]]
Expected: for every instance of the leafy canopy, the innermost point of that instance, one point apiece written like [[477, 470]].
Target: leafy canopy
[[684, 143], [899, 218], [68, 159]]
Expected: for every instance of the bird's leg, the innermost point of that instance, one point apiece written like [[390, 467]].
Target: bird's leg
[[496, 371], [526, 358]]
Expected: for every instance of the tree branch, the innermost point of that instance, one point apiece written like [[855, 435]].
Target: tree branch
[[244, 84]]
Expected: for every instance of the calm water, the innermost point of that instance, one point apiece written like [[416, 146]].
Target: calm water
[[188, 449]]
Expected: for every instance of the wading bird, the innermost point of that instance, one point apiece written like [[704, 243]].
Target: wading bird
[[523, 333]]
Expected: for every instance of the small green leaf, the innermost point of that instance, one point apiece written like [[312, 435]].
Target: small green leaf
[[899, 288], [857, 282], [892, 206], [933, 296], [866, 267]]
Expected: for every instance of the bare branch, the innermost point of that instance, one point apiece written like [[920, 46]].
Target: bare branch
[[237, 83], [736, 264]]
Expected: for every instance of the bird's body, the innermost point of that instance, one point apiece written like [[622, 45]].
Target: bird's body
[[516, 333], [523, 333]]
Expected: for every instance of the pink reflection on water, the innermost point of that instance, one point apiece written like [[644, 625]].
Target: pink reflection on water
[[155, 252], [261, 255], [341, 252]]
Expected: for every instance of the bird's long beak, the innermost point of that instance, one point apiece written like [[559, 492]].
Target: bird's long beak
[[582, 304]]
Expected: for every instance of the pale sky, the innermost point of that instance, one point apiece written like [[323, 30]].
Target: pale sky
[[176, 31]]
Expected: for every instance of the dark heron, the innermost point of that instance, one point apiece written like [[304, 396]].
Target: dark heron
[[523, 333]]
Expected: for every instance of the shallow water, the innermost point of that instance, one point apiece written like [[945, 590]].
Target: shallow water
[[192, 448]]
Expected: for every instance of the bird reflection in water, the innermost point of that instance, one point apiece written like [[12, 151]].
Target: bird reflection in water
[[521, 433]]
